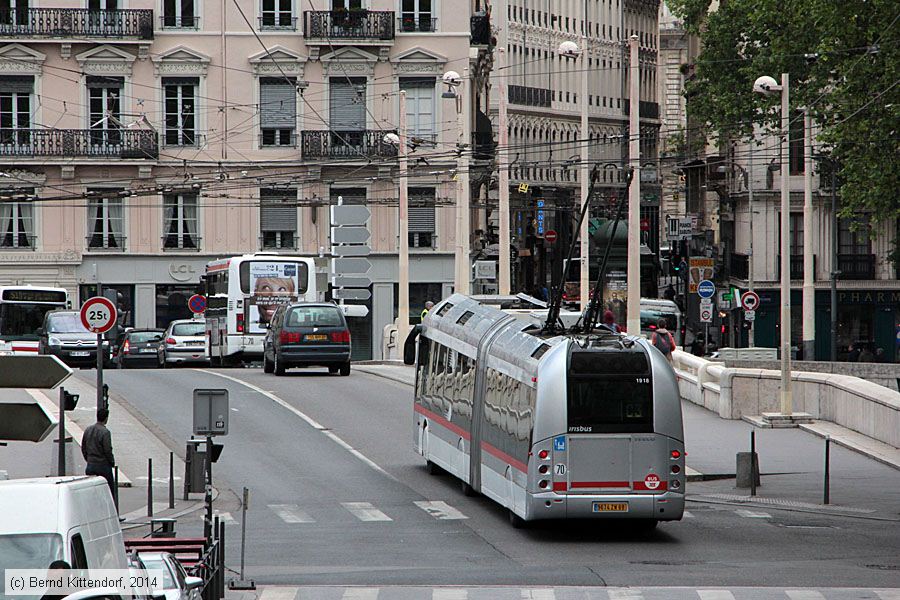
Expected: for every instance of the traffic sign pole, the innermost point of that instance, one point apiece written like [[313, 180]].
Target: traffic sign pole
[[98, 314]]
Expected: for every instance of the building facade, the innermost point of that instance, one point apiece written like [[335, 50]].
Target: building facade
[[140, 139]]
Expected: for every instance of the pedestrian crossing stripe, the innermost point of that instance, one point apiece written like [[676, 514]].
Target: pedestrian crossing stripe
[[360, 594], [364, 511], [291, 513], [440, 510], [715, 595], [804, 595], [751, 514]]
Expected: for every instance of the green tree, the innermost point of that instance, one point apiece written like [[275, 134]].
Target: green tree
[[843, 58]]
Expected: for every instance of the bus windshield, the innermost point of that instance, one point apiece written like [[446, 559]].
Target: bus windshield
[[21, 321], [609, 392]]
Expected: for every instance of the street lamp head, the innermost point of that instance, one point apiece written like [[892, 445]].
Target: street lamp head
[[452, 78], [392, 139], [569, 49], [766, 85]]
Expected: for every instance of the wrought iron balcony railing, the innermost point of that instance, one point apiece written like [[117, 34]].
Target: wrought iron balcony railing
[[480, 30], [78, 143], [346, 144], [739, 266], [277, 138], [529, 96], [422, 23], [179, 22], [856, 266], [174, 242], [21, 241], [278, 240], [349, 25], [280, 21], [796, 266], [113, 242], [76, 22], [647, 110]]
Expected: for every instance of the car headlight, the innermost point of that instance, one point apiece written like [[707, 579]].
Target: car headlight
[[54, 341]]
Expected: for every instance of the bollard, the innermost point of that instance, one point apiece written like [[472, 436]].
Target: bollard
[[221, 571], [752, 462], [243, 584], [116, 489], [827, 486], [149, 487], [171, 480]]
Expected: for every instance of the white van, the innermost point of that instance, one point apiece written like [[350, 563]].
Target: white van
[[59, 518]]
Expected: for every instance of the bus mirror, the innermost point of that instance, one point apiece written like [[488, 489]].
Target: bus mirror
[[409, 346]]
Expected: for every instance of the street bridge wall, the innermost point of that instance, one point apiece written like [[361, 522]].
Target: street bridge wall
[[884, 374]]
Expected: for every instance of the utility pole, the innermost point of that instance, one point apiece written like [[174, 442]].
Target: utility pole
[[786, 398], [503, 165], [752, 341], [462, 187], [809, 286], [634, 193], [403, 262], [834, 260], [583, 172]]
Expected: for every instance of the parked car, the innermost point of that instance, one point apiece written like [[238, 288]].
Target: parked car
[[138, 347], [176, 583], [63, 335], [307, 335], [184, 341]]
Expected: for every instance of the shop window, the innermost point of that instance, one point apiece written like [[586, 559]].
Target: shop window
[[172, 303]]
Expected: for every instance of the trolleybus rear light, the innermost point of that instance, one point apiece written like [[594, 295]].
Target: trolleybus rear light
[[675, 484], [543, 484], [543, 469], [676, 469], [676, 454], [543, 454]]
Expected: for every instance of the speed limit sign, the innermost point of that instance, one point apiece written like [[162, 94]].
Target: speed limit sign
[[98, 314]]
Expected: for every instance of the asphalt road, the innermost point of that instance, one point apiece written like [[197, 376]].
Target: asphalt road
[[308, 523]]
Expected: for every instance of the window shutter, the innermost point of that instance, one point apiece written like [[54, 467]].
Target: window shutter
[[105, 82], [419, 105], [17, 84], [347, 110], [421, 210], [278, 103], [277, 210]]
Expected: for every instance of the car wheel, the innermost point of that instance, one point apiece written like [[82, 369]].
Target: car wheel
[[279, 366], [345, 369], [467, 489], [268, 366]]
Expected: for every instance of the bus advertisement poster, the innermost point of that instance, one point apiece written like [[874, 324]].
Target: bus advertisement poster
[[271, 284]]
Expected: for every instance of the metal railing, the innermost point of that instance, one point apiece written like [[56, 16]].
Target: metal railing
[[796, 266], [856, 266], [179, 22], [113, 242], [422, 23], [480, 30], [18, 241], [346, 144], [739, 266], [529, 96], [353, 24], [647, 110], [278, 22], [76, 22], [183, 241], [274, 139], [68, 143]]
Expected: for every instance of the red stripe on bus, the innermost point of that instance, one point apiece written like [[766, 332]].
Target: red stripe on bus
[[24, 349], [218, 267], [559, 486], [496, 452], [600, 484], [662, 487], [442, 421]]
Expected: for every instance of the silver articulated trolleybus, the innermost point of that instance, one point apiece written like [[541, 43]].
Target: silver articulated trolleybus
[[550, 426]]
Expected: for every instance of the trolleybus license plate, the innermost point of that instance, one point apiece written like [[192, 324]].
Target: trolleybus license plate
[[610, 507]]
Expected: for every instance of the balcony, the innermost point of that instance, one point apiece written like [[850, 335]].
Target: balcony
[[796, 266], [174, 242], [79, 143], [363, 144], [529, 96], [856, 266], [480, 30], [112, 242], [412, 23], [739, 266], [648, 110], [355, 25], [18, 241], [76, 23]]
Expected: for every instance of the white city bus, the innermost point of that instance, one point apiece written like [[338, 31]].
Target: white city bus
[[22, 309], [242, 293]]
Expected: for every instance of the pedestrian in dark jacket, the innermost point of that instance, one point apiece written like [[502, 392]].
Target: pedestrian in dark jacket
[[853, 355], [56, 565], [96, 447], [698, 346]]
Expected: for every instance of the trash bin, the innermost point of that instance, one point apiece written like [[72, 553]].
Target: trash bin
[[195, 458]]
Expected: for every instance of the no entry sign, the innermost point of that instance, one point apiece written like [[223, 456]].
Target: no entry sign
[[98, 314], [550, 236]]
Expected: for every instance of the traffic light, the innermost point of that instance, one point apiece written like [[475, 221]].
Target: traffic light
[[70, 400], [675, 265]]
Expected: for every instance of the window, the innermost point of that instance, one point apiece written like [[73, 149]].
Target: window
[[105, 223], [421, 217], [416, 15], [97, 5], [795, 143], [277, 14], [104, 97], [277, 111], [181, 124], [278, 218], [180, 214], [179, 13], [796, 234], [16, 225], [15, 109], [853, 242], [419, 106]]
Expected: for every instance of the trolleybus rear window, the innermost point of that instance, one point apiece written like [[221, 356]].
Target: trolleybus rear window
[[609, 392]]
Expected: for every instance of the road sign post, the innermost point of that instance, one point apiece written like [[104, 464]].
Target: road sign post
[[349, 249], [210, 418], [98, 315]]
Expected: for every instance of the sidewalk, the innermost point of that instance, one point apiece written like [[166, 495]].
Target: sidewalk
[[133, 445], [791, 463]]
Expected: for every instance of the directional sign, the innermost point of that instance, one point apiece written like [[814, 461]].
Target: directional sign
[[98, 314], [349, 235], [197, 304], [351, 266], [21, 422], [706, 289], [350, 214], [354, 310], [351, 294], [351, 282], [41, 371], [750, 301], [351, 250]]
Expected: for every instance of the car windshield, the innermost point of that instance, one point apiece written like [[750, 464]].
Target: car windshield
[[315, 316], [187, 329], [138, 337], [66, 323], [158, 564], [29, 551], [21, 321]]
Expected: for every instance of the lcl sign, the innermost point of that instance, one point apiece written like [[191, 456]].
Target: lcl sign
[[182, 271]]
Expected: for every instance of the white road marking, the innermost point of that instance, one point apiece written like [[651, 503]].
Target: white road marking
[[312, 422], [750, 514], [539, 594], [804, 595], [688, 514], [224, 517], [888, 594], [364, 511], [625, 594], [440, 510], [279, 593], [715, 595], [291, 513], [449, 594], [356, 593]]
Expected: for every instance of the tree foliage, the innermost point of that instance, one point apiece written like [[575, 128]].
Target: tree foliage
[[844, 64]]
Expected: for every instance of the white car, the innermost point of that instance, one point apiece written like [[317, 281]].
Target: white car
[[176, 584], [183, 342]]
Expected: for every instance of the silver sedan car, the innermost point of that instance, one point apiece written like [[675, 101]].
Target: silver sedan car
[[183, 342], [176, 583]]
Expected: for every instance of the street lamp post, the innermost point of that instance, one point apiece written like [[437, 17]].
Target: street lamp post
[[767, 85]]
